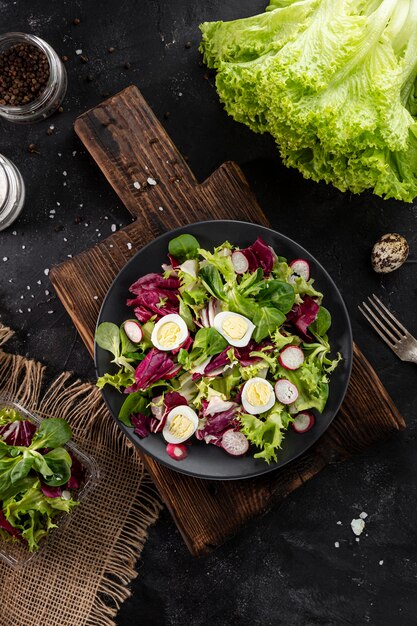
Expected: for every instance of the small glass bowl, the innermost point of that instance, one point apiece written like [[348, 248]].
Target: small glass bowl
[[16, 554], [53, 94], [12, 192]]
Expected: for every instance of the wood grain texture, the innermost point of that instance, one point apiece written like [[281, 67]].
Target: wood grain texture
[[129, 145]]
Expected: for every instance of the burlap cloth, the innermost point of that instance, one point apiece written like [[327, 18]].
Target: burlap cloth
[[82, 576]]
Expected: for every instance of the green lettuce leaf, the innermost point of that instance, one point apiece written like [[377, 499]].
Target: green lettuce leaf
[[267, 431]]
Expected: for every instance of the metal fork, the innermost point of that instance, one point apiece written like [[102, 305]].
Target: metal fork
[[395, 335]]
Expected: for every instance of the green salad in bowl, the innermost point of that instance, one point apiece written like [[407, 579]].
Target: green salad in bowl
[[226, 346]]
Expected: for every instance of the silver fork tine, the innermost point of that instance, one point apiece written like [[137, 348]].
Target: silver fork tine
[[381, 324], [388, 312], [375, 327], [398, 335]]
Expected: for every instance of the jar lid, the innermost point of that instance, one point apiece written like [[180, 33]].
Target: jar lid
[[4, 188]]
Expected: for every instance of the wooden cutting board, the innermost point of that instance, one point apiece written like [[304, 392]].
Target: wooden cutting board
[[134, 152]]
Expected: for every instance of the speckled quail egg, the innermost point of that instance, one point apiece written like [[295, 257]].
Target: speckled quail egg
[[235, 328], [257, 396], [169, 333], [181, 424], [389, 253]]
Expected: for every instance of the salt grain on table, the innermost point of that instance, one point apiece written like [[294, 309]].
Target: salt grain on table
[[113, 228], [363, 515], [357, 526], [136, 185], [151, 181], [336, 544], [46, 271]]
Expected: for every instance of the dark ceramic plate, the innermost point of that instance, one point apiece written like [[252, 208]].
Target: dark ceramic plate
[[208, 461]]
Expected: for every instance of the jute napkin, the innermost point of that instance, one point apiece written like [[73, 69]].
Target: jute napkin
[[82, 576]]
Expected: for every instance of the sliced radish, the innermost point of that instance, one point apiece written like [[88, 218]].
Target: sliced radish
[[234, 442], [303, 422], [190, 267], [240, 262], [285, 391], [301, 267], [291, 357], [133, 331], [177, 451]]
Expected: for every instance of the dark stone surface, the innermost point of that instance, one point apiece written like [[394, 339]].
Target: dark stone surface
[[283, 569]]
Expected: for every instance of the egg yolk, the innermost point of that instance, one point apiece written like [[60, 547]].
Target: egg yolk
[[258, 394], [169, 335], [235, 327], [181, 426]]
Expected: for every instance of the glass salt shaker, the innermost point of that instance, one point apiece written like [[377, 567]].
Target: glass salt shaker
[[54, 92], [12, 192]]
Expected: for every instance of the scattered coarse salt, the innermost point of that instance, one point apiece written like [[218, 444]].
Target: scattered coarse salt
[[58, 204], [52, 211], [78, 52], [381, 562], [136, 185], [74, 153], [95, 297], [81, 206], [20, 311], [39, 282], [69, 256], [64, 184], [339, 523], [151, 181], [64, 173], [357, 539], [111, 245], [29, 310], [5, 258], [50, 312], [129, 246], [59, 154], [113, 228], [65, 239], [46, 271], [46, 292], [357, 526], [14, 233], [23, 247], [160, 208], [86, 224], [180, 93], [363, 515], [21, 297], [52, 127], [106, 217], [27, 286], [336, 544]]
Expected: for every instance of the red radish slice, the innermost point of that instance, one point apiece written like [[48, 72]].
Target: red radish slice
[[301, 267], [303, 422], [285, 391], [240, 262], [177, 451], [133, 331], [234, 442], [291, 357]]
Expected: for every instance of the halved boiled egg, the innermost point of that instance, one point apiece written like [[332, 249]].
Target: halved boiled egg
[[169, 333], [257, 396], [235, 328], [181, 423]]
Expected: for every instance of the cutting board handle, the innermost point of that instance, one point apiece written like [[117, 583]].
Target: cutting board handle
[[135, 154]]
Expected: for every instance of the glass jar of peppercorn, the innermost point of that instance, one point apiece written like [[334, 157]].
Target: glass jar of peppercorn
[[33, 80]]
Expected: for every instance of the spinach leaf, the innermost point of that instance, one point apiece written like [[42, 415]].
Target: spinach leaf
[[52, 433], [21, 469], [277, 293], [134, 403], [266, 320], [108, 338], [59, 463], [184, 247], [186, 314], [210, 341], [212, 281], [322, 323]]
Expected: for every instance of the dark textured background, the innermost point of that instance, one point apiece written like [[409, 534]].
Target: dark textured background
[[283, 569]]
